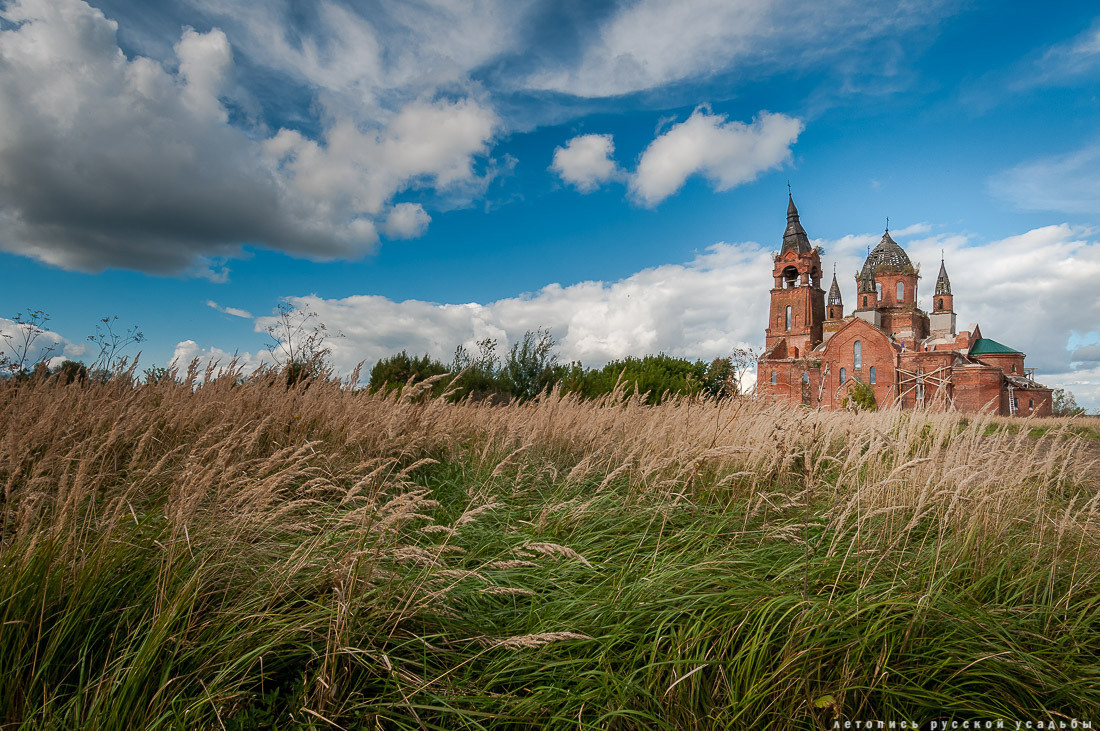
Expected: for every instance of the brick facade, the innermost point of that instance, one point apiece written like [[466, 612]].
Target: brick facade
[[814, 355]]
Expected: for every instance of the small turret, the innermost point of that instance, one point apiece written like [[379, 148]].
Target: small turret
[[943, 288], [834, 309], [942, 319]]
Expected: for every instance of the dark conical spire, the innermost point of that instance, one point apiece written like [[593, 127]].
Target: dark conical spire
[[834, 292], [795, 236], [943, 284]]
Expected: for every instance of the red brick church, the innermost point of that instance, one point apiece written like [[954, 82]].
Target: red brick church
[[815, 355]]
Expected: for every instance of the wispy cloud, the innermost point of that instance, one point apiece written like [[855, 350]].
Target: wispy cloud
[[1068, 62], [653, 43], [235, 312], [1065, 183]]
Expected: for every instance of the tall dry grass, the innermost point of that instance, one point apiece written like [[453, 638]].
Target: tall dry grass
[[212, 552]]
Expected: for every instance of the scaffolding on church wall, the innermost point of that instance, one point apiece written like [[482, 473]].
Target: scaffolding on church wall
[[915, 382]]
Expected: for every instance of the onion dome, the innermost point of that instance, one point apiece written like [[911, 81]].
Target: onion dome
[[794, 238], [887, 255], [834, 292], [943, 284]]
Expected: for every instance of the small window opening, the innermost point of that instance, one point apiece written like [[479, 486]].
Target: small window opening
[[857, 355], [872, 375], [843, 375], [788, 317], [901, 291], [773, 376], [878, 290]]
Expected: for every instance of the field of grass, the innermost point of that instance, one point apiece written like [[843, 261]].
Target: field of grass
[[248, 556]]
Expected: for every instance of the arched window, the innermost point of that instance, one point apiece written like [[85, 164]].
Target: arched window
[[857, 355], [941, 304], [872, 374], [788, 317], [805, 378], [901, 291], [1013, 367], [1030, 404], [878, 290], [843, 375], [864, 301], [773, 377]]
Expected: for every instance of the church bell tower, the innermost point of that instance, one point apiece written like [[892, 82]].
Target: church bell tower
[[797, 300]]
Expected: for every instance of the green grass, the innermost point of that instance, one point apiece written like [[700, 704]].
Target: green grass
[[699, 617]]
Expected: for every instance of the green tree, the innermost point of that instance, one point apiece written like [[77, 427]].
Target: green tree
[[71, 370], [394, 372], [656, 376], [1063, 403], [530, 366], [478, 376]]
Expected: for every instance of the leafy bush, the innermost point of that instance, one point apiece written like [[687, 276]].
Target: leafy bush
[[861, 395]]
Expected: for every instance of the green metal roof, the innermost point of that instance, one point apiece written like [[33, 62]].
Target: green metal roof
[[985, 346]]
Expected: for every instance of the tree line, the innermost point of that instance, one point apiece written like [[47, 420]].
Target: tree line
[[532, 366]]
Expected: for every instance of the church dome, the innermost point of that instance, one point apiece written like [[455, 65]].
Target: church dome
[[887, 255]]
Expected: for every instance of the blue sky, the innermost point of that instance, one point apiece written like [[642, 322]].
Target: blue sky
[[426, 174]]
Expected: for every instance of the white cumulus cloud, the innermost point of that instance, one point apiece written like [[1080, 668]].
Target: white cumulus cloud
[[188, 351], [586, 161], [696, 310], [407, 221], [727, 153]]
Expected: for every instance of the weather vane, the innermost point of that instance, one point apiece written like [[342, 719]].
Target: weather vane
[[887, 224], [788, 187]]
